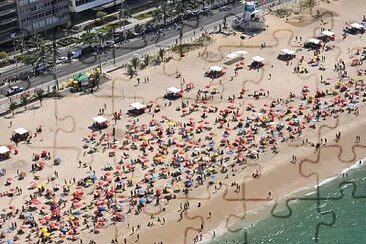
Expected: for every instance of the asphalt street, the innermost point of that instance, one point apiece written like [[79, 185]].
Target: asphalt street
[[65, 71]]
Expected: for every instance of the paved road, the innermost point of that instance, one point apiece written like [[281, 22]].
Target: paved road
[[127, 50], [122, 54]]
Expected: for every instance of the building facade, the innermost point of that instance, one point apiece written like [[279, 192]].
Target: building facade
[[41, 15], [8, 20]]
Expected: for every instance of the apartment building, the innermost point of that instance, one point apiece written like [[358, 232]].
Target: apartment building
[[8, 20], [41, 15]]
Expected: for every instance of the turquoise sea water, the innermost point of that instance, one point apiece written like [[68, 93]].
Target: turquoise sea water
[[346, 216]]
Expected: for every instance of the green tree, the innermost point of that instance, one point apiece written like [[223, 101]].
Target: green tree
[[12, 107], [130, 71], [89, 38], [24, 100], [147, 60], [135, 62], [30, 60], [3, 55], [101, 15], [39, 94], [310, 4], [162, 54]]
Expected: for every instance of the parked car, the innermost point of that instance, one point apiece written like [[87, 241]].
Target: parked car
[[14, 90]]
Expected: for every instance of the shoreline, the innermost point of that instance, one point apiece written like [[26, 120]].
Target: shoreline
[[260, 210], [211, 204]]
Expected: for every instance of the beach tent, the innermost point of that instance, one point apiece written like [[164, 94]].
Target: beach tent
[[287, 51], [216, 68], [241, 52], [20, 131], [136, 108], [236, 54], [20, 134], [314, 41], [173, 89], [232, 55], [327, 33], [4, 153], [357, 26], [258, 59], [4, 150], [99, 123], [81, 77], [286, 54], [173, 93], [137, 105], [100, 119]]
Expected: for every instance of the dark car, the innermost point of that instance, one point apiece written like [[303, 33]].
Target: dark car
[[14, 90]]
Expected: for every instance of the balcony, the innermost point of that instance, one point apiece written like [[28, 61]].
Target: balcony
[[8, 21], [7, 12], [6, 2]]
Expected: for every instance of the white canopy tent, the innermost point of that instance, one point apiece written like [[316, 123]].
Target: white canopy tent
[[327, 33], [288, 51], [4, 149], [258, 59], [100, 119], [232, 55], [242, 52], [20, 131], [236, 54], [173, 89], [356, 26], [216, 68], [315, 41], [137, 105]]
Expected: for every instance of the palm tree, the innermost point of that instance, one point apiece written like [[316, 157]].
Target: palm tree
[[147, 60], [135, 62], [162, 54], [12, 107], [130, 71], [24, 101], [39, 94]]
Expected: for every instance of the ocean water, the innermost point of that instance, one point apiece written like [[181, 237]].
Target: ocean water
[[339, 216]]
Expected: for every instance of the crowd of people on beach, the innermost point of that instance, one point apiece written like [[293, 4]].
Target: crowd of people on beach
[[161, 159]]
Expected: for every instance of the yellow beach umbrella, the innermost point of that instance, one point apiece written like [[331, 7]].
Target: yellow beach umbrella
[[46, 234], [68, 184], [179, 184], [44, 230], [163, 156], [43, 184]]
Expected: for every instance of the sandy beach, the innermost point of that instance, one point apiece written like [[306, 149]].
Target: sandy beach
[[229, 145]]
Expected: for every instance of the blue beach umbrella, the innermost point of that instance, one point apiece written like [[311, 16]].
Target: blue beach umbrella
[[142, 200], [64, 229]]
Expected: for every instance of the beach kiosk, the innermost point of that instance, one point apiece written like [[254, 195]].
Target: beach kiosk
[[258, 62], [20, 134], [286, 54], [326, 36], [136, 109], [100, 123], [355, 28], [4, 153], [215, 72], [173, 93], [81, 80], [312, 44]]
